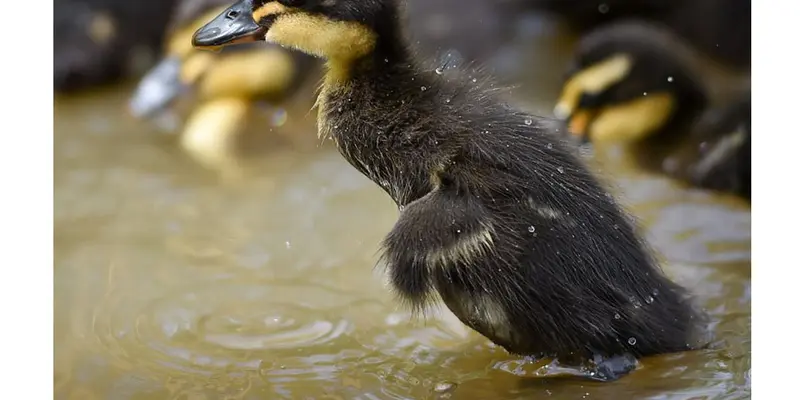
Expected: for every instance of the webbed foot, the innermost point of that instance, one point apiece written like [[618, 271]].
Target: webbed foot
[[608, 369]]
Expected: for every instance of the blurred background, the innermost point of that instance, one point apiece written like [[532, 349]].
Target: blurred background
[[209, 246]]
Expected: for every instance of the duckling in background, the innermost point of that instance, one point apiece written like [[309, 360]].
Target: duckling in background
[[678, 110], [498, 216], [99, 41], [227, 84]]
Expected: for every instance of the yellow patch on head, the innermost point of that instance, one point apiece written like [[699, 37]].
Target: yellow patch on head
[[271, 8], [633, 120], [592, 80], [263, 72], [179, 42], [339, 42]]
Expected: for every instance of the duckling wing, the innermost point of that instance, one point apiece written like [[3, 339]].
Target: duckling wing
[[437, 230], [720, 149]]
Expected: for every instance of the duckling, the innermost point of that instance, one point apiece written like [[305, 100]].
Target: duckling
[[679, 111], [100, 41], [498, 216], [227, 84]]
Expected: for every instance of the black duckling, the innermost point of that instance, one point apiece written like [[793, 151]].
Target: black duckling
[[100, 41], [498, 216], [228, 84], [680, 112]]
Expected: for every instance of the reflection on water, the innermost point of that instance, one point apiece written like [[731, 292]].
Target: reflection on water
[[172, 284]]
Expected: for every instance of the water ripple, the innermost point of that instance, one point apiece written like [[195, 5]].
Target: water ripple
[[218, 328]]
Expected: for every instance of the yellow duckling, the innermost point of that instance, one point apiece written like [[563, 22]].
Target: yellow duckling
[[227, 83]]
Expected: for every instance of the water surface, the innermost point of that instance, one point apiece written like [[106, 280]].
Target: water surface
[[171, 283]]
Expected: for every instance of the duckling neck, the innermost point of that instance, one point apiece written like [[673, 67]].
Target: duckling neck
[[369, 52], [382, 115]]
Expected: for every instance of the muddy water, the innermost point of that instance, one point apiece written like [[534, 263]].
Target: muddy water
[[173, 284]]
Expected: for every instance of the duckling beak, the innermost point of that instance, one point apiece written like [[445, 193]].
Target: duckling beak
[[234, 25], [157, 89], [578, 125]]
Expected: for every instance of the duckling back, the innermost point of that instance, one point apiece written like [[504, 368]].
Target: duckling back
[[719, 150]]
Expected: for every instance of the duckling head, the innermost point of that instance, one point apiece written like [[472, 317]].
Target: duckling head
[[339, 31], [180, 66], [266, 72], [624, 86]]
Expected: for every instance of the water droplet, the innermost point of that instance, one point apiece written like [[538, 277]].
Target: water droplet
[[439, 70], [560, 169], [644, 94], [549, 146], [288, 245], [655, 292], [528, 121], [531, 229], [445, 386], [447, 100], [394, 319], [279, 117], [669, 79], [617, 316], [603, 8], [384, 183], [616, 226], [423, 88], [474, 80], [386, 60], [632, 341], [649, 300]]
